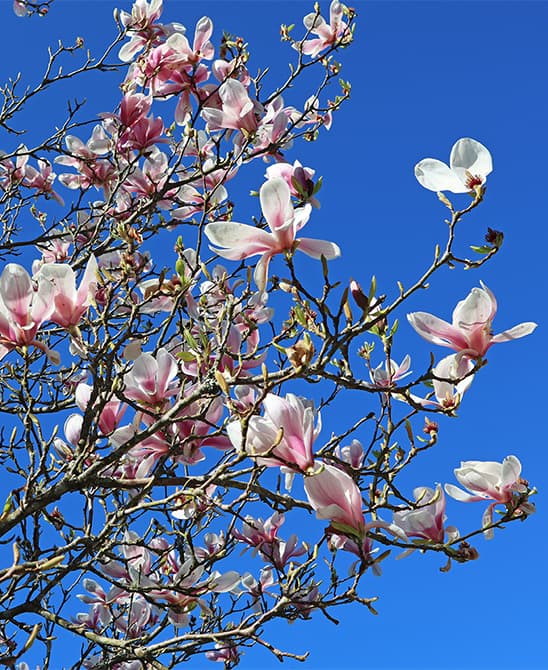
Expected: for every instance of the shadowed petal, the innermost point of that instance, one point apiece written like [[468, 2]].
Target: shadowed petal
[[471, 156]]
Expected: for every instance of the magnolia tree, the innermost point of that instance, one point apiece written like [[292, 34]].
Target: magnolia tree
[[163, 389]]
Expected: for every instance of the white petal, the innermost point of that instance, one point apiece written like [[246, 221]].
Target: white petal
[[516, 332], [437, 176], [236, 235], [276, 203], [511, 470], [318, 248], [459, 494], [471, 155]]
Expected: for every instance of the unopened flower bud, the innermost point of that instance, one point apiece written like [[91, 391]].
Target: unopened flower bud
[[359, 296]]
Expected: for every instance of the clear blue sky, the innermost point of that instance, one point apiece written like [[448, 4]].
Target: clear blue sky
[[423, 75]]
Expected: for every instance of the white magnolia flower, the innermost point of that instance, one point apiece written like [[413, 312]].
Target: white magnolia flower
[[469, 165]]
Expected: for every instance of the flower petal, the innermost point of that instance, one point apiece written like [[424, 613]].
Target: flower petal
[[318, 248], [437, 330], [516, 332], [460, 495], [437, 176], [239, 239], [276, 203], [470, 155]]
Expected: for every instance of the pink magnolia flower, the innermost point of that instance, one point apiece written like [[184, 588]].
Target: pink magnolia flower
[[149, 181], [202, 48], [283, 436], [298, 178], [353, 454], [182, 440], [237, 241], [327, 34], [334, 496], [451, 378], [224, 652], [140, 23], [384, 376], [23, 308], [469, 165], [237, 112], [488, 480], [111, 413], [471, 329], [262, 535], [42, 180], [426, 519], [152, 379], [256, 532], [54, 249], [69, 303], [92, 171], [143, 14]]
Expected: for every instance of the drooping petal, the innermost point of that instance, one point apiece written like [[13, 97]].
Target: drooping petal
[[437, 176], [260, 275]]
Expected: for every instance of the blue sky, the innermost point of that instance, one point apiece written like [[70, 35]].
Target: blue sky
[[423, 75]]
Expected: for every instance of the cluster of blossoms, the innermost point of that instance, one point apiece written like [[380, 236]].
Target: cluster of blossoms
[[181, 422], [50, 295]]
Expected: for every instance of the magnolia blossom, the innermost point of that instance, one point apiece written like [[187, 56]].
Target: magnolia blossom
[[238, 240], [111, 413], [426, 519], [471, 330], [469, 165], [327, 34], [69, 303], [238, 111], [298, 178], [23, 308], [152, 378], [353, 454], [334, 496], [262, 535], [387, 375], [283, 436], [488, 480], [451, 378]]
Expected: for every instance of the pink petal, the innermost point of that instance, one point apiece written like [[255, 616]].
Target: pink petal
[[437, 331], [276, 203]]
